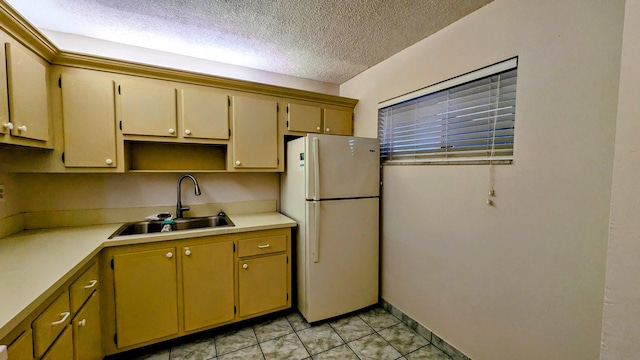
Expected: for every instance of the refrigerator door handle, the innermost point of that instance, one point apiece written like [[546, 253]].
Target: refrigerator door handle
[[316, 169], [316, 231]]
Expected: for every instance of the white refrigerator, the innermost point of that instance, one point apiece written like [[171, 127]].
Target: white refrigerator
[[331, 188]]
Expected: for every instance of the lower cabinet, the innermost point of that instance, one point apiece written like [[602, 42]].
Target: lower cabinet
[[22, 348], [173, 288], [62, 349], [145, 295], [87, 339], [207, 284]]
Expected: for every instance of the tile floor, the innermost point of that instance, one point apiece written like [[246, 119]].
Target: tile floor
[[370, 334]]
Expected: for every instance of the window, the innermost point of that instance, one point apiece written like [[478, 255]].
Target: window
[[467, 119]]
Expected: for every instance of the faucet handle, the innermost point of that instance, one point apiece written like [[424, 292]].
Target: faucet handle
[[185, 208]]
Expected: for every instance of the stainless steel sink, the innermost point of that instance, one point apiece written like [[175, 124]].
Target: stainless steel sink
[[155, 226]]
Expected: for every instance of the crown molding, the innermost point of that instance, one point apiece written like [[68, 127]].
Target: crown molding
[[20, 29]]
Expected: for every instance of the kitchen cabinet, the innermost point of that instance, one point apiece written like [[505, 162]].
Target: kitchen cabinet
[[148, 107], [207, 283], [88, 114], [205, 113], [25, 117], [87, 340], [308, 117], [22, 348], [255, 133], [50, 324], [62, 349], [263, 274], [146, 302]]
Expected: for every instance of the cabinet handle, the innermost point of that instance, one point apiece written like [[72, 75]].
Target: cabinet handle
[[23, 128], [171, 131], [245, 266], [8, 126], [109, 161], [328, 130], [92, 283], [318, 128], [169, 254], [82, 322], [264, 246], [188, 132], [187, 251], [65, 316], [237, 162]]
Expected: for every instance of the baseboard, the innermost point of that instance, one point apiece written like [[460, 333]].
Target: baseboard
[[424, 332]]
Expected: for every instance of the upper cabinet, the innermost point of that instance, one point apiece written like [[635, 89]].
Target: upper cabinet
[[255, 133], [204, 113], [148, 107], [88, 115], [308, 117], [24, 103]]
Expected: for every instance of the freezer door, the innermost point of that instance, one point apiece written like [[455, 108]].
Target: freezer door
[[341, 167], [341, 258]]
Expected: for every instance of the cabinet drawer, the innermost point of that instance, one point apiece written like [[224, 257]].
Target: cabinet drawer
[[83, 287], [262, 245], [50, 323]]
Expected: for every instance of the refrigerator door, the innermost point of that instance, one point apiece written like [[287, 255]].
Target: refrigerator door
[[340, 167], [341, 258]]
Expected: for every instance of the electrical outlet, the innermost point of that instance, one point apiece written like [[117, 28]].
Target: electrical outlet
[[2, 194]]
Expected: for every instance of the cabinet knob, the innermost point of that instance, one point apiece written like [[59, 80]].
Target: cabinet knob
[[109, 161], [318, 128], [172, 131], [188, 132], [23, 128], [8, 126], [245, 266], [327, 130], [82, 322], [169, 254], [237, 162], [187, 251]]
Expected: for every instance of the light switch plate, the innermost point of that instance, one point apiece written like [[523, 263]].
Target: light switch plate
[[2, 194]]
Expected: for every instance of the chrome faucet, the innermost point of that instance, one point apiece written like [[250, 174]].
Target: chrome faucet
[[179, 208]]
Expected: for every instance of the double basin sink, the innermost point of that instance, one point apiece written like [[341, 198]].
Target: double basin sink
[[155, 226]]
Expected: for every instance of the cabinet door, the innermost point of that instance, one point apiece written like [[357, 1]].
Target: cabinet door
[[262, 284], [304, 118], [255, 133], [145, 295], [28, 100], [4, 97], [88, 112], [62, 349], [205, 114], [22, 348], [87, 341], [338, 122], [207, 278], [148, 108]]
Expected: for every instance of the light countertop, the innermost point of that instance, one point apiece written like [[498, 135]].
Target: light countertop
[[35, 263]]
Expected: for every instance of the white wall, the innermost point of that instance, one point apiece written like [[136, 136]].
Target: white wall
[[621, 322], [41, 192], [86, 45], [524, 279]]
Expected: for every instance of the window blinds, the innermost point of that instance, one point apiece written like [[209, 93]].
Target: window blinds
[[468, 118]]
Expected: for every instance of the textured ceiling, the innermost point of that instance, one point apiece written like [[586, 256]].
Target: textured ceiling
[[325, 40]]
